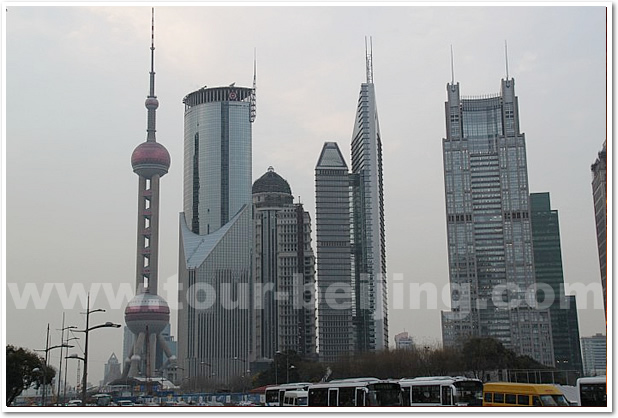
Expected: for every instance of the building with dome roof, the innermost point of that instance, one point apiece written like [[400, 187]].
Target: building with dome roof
[[284, 271]]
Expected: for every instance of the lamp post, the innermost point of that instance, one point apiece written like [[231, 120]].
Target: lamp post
[[86, 331], [47, 350], [66, 370], [62, 341], [76, 357]]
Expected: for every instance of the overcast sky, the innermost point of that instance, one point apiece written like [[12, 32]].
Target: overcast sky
[[76, 81]]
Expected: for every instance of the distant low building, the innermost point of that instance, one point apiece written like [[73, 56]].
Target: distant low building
[[403, 341], [594, 355]]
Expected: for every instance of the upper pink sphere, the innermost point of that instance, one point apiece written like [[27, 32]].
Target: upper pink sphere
[[150, 158]]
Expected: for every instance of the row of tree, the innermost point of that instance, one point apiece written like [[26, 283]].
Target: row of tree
[[475, 357]]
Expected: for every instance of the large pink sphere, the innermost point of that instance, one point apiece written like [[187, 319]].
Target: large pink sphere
[[147, 311], [150, 158]]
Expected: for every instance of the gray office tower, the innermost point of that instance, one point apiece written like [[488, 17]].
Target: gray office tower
[[284, 271], [550, 282], [368, 237], [599, 194], [216, 235], [490, 253], [332, 213]]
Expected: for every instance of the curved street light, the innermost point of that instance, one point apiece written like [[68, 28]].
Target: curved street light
[[86, 331]]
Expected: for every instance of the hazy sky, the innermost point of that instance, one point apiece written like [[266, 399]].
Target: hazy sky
[[75, 83]]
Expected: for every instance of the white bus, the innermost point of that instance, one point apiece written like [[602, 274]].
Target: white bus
[[442, 391], [274, 394], [592, 391], [367, 391], [295, 398]]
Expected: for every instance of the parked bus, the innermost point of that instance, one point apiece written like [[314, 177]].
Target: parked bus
[[367, 391], [592, 391], [274, 394], [442, 391], [295, 398], [522, 394]]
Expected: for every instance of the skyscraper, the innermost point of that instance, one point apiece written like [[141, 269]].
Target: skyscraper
[[550, 281], [594, 354], [216, 239], [332, 214], [491, 262], [368, 236], [147, 314], [599, 194], [284, 271]]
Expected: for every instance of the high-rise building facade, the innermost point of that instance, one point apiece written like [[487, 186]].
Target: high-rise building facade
[[599, 195], [216, 238], [284, 271], [594, 355], [368, 233], [490, 253], [403, 341], [550, 282], [332, 213]]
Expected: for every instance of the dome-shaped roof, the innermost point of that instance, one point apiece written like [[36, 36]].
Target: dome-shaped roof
[[150, 158], [147, 311], [271, 182]]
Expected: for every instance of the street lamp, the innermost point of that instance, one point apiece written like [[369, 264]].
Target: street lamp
[[76, 357], [62, 341], [47, 350], [86, 331], [66, 370]]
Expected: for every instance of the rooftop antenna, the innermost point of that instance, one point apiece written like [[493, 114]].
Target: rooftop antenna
[[253, 104], [506, 58], [151, 101], [452, 68], [369, 58]]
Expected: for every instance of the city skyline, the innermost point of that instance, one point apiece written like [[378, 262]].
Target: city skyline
[[307, 90]]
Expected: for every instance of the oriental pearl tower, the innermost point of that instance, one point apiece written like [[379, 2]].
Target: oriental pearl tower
[[147, 314]]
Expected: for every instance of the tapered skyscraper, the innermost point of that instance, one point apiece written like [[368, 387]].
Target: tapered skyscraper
[[216, 237], [491, 261], [599, 195], [332, 218], [368, 237], [147, 314]]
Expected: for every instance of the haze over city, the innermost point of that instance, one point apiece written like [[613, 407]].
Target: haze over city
[[76, 81]]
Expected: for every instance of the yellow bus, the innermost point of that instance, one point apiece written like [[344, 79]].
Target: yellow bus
[[522, 394]]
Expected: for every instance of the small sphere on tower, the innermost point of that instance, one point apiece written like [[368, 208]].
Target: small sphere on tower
[[152, 103], [150, 158]]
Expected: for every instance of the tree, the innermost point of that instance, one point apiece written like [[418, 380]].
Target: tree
[[23, 369], [481, 354]]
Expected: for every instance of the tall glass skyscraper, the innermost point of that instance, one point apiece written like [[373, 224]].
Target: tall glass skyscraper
[[332, 214], [216, 235], [549, 277], [599, 194], [368, 235], [491, 262]]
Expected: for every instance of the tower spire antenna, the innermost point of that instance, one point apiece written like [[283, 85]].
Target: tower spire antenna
[[369, 60], [506, 58], [253, 98], [452, 67], [151, 102]]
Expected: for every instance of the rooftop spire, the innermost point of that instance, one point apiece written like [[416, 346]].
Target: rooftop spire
[[452, 68], [151, 102], [369, 58], [253, 104], [506, 58]]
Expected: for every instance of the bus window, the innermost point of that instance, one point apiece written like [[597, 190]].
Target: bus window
[[426, 394], [523, 400], [346, 397], [447, 398], [536, 401], [406, 395], [319, 397], [488, 397], [332, 397], [498, 397], [510, 399], [360, 397]]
